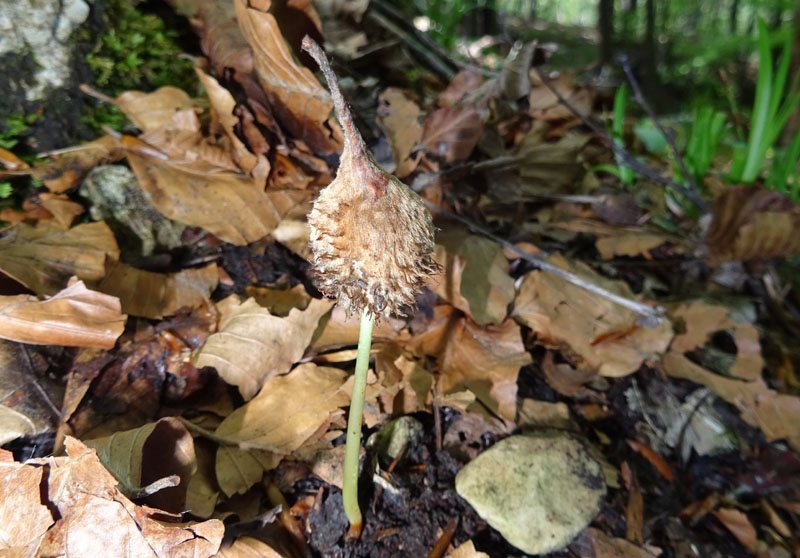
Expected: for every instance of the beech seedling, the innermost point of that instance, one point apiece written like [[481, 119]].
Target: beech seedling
[[372, 241]]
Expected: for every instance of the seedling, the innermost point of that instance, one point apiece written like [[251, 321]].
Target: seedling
[[372, 244]]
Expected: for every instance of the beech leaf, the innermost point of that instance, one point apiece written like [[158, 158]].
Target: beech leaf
[[451, 133], [75, 317], [252, 345]]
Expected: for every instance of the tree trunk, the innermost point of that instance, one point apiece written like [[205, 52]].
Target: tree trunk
[[733, 17], [605, 26]]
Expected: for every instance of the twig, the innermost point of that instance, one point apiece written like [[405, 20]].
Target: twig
[[626, 156], [436, 64], [650, 317], [668, 135]]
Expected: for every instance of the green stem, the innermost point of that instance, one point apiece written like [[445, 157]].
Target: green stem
[[352, 450]]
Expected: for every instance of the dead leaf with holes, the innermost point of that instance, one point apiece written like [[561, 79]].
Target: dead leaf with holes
[[594, 334], [74, 317], [702, 319], [776, 414], [88, 515], [475, 278], [399, 119], [227, 204], [45, 256], [299, 102], [141, 458], [155, 295], [750, 223], [252, 345], [451, 133]]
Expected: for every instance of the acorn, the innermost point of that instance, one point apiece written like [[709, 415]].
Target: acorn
[[372, 238]]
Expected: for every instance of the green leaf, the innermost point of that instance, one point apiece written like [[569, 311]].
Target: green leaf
[[653, 140]]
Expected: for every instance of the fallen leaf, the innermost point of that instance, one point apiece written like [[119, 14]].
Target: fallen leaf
[[64, 211], [467, 550], [485, 360], [570, 318], [19, 498], [544, 414], [147, 454], [515, 81], [737, 523], [777, 414], [248, 547], [632, 243], [634, 510], [605, 546], [280, 302], [299, 102], [475, 277], [655, 459], [461, 84], [202, 492], [28, 395], [67, 169], [149, 111], [399, 120], [549, 168], [287, 411], [702, 319], [74, 317], [237, 469], [451, 133], [751, 223], [95, 519], [44, 257], [252, 345], [155, 295], [544, 105], [342, 330], [228, 205]]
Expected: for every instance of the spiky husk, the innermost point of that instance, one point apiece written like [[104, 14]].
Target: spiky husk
[[372, 239]]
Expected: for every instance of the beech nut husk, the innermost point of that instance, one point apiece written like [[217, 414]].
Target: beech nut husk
[[372, 237]]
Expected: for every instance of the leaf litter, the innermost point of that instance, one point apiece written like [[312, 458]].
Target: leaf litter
[[212, 380]]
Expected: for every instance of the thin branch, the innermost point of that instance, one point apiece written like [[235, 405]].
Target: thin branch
[[668, 135], [626, 156], [650, 317]]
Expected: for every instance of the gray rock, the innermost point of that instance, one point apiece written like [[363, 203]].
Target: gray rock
[[114, 196], [538, 490], [41, 29]]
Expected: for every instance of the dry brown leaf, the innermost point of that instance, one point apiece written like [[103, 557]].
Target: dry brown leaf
[[475, 277], [147, 454], [64, 211], [777, 414], [155, 295], [68, 169], [464, 82], [23, 515], [737, 523], [751, 223], [702, 319], [467, 550], [569, 318], [28, 395], [280, 302], [549, 168], [605, 546], [451, 133], [299, 102], [149, 111], [202, 492], [252, 345], [634, 510], [632, 243], [247, 547], [544, 105], [485, 360], [342, 330], [544, 414], [44, 257], [223, 104], [96, 519], [226, 204], [399, 120], [287, 411], [74, 317], [237, 470]]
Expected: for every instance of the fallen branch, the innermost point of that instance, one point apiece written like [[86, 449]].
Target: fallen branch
[[650, 316]]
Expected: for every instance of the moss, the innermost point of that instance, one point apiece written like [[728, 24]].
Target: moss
[[13, 128], [137, 51]]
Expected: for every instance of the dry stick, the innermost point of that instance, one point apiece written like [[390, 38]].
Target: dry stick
[[629, 159], [650, 317], [642, 102]]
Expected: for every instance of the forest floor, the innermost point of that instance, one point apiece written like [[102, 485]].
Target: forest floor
[[174, 384]]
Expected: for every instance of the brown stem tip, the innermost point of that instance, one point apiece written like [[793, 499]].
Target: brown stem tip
[[371, 235]]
